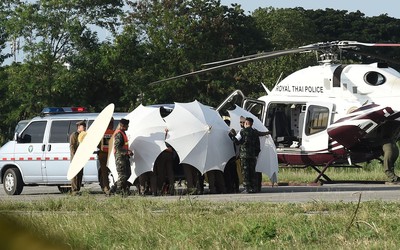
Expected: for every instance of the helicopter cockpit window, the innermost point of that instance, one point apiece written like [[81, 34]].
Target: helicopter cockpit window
[[317, 119], [374, 78], [255, 109], [236, 97]]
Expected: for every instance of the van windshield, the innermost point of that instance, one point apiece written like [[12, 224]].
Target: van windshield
[[20, 126]]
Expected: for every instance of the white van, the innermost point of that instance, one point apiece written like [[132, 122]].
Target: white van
[[40, 155]]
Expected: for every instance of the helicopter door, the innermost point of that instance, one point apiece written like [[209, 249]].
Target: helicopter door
[[317, 118], [236, 97], [256, 107]]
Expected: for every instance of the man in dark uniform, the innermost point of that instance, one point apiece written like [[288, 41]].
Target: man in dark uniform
[[164, 170], [389, 134], [249, 141], [76, 182], [216, 182], [122, 155], [194, 179], [103, 157]]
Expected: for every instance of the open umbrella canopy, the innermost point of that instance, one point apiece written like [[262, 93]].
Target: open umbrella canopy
[[267, 161], [146, 135], [199, 136]]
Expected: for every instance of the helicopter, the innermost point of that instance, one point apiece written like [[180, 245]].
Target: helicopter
[[327, 115]]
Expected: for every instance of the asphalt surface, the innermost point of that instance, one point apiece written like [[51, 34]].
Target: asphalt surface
[[276, 194]]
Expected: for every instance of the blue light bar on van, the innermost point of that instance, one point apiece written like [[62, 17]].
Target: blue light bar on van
[[59, 110], [52, 110]]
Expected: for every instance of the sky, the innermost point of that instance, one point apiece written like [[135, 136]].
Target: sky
[[368, 7]]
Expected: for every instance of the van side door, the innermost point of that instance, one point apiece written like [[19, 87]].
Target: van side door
[[29, 152], [58, 154], [57, 151]]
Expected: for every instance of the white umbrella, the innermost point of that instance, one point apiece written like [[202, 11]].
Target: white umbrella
[[267, 161], [146, 135], [199, 136]]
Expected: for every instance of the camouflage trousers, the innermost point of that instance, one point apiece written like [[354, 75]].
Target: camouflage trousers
[[124, 172], [249, 173], [390, 154]]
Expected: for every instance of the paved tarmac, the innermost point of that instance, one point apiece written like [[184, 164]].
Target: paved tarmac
[[289, 194]]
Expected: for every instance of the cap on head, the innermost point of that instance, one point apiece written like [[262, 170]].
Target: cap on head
[[124, 122], [83, 123]]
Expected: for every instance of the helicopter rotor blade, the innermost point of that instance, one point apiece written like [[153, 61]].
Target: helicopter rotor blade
[[344, 44], [251, 59], [237, 58], [363, 53], [385, 45], [322, 46]]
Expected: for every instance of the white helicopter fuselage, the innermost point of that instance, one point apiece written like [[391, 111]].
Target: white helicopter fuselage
[[358, 84], [331, 109]]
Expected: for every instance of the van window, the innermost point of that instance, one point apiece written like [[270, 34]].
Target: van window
[[115, 124], [60, 131], [34, 133], [72, 127]]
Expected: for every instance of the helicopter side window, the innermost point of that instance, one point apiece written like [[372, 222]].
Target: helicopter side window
[[317, 119], [374, 78]]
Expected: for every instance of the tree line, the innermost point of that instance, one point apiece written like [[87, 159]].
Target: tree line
[[67, 62]]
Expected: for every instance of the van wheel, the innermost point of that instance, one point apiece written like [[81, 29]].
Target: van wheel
[[12, 182], [63, 189]]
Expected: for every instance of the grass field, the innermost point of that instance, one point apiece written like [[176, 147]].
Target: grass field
[[369, 172], [87, 222], [140, 223]]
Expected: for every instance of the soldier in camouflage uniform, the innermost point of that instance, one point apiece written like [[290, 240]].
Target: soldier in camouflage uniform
[[389, 133], [248, 139], [122, 154]]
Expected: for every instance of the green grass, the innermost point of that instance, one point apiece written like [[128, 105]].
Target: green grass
[[369, 172], [87, 222], [90, 222]]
